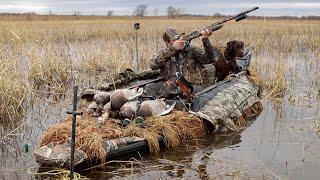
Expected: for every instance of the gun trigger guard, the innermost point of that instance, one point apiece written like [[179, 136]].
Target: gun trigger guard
[[177, 74]]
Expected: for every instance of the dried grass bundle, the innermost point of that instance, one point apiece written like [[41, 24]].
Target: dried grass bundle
[[90, 141], [110, 129], [166, 129], [173, 128], [151, 137], [192, 126], [177, 127], [88, 137], [57, 134]]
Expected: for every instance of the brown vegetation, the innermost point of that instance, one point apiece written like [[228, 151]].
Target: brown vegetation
[[43, 54], [174, 128]]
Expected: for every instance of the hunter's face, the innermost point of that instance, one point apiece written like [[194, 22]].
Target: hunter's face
[[168, 43]]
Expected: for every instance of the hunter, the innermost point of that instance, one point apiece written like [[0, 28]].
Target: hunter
[[188, 60]]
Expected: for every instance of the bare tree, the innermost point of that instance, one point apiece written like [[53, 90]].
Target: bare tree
[[179, 12], [174, 12], [76, 13], [170, 11], [140, 10], [155, 11], [110, 13]]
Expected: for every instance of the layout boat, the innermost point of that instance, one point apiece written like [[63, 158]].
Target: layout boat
[[222, 107]]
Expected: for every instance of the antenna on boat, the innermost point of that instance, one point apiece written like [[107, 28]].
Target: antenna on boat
[[136, 27]]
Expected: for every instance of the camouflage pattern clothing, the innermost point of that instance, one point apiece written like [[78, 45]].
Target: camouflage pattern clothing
[[189, 62], [224, 105], [208, 72]]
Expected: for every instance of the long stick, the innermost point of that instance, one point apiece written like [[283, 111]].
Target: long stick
[[73, 137], [137, 53], [74, 124]]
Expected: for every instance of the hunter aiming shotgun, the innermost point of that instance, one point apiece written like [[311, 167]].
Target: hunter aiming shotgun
[[181, 81]]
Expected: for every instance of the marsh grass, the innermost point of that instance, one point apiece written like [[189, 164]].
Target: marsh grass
[[317, 125], [38, 55], [276, 82], [318, 84], [13, 90]]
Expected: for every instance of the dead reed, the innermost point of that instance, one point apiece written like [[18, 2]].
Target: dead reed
[[317, 126], [152, 138], [13, 90], [256, 78], [173, 129], [276, 82]]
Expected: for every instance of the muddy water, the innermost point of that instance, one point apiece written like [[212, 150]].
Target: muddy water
[[280, 144], [15, 161]]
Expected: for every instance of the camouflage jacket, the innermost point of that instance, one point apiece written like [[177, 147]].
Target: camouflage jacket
[[188, 62]]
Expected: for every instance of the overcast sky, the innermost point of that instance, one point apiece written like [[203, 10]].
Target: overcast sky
[[125, 7]]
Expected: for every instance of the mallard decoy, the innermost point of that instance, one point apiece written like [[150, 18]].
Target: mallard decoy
[[121, 96], [154, 107], [87, 94], [129, 109], [101, 98]]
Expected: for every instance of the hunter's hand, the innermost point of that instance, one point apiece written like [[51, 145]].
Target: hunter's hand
[[179, 44], [206, 33]]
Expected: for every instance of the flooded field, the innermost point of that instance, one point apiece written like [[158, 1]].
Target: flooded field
[[282, 143]]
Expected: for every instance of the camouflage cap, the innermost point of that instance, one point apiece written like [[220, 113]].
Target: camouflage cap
[[171, 34]]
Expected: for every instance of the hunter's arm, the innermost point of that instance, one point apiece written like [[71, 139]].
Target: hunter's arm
[[159, 59], [205, 55]]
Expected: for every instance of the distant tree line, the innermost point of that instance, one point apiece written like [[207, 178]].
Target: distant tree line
[[171, 12], [18, 14]]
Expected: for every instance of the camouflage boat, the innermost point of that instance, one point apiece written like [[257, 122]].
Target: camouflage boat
[[221, 107]]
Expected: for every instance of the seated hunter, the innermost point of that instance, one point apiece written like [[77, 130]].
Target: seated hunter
[[180, 58]]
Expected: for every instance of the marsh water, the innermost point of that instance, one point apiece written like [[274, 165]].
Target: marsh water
[[281, 143]]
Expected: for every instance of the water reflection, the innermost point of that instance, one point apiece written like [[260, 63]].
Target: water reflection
[[281, 143], [28, 131], [175, 162]]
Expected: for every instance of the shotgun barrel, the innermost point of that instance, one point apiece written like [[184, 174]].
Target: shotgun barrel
[[218, 25]]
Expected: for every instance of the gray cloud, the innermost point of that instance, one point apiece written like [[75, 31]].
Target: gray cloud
[[125, 7]]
